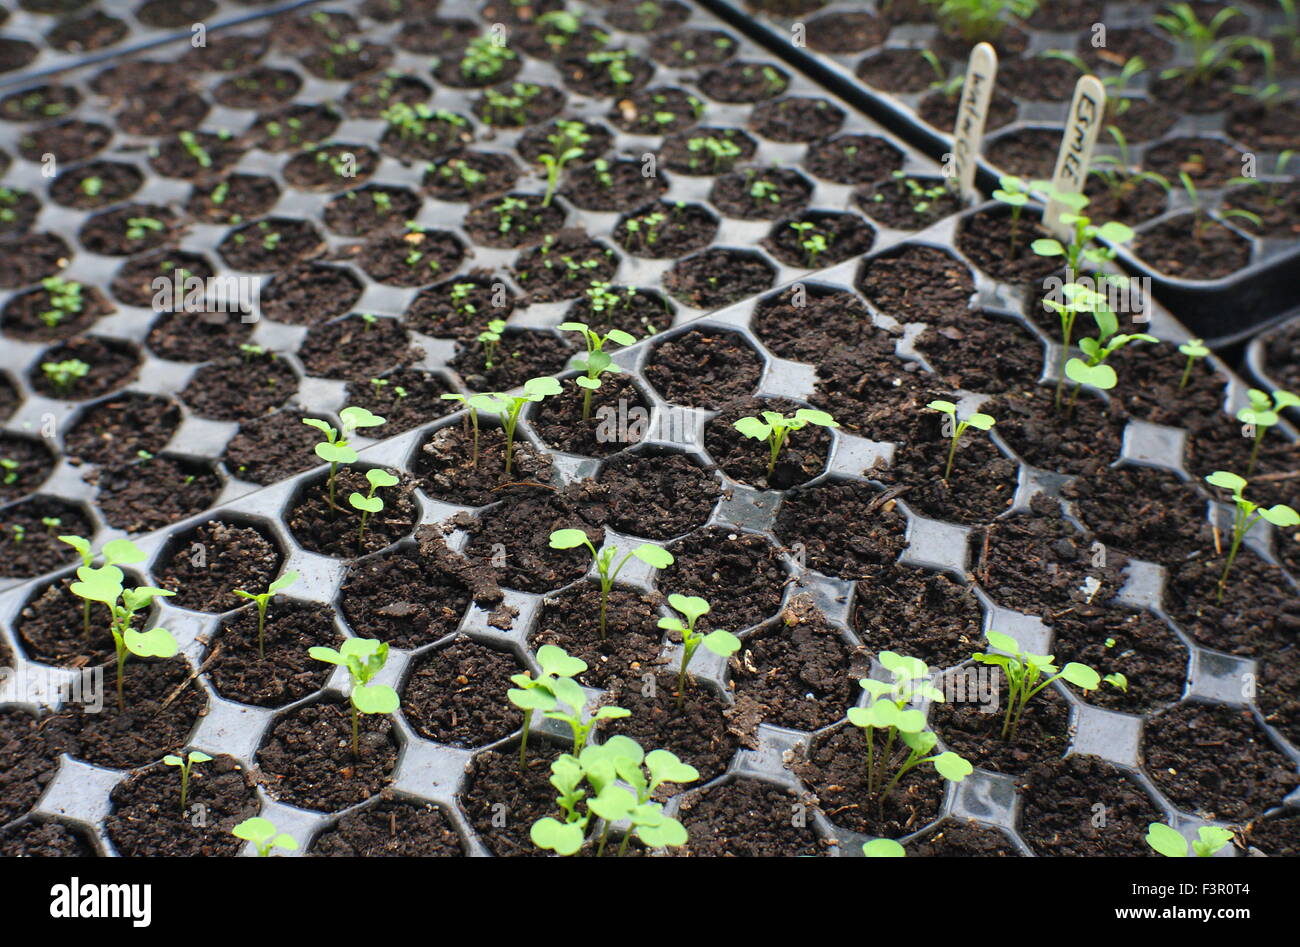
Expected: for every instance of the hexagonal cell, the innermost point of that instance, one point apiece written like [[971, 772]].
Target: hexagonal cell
[[563, 266], [741, 575], [853, 159], [257, 88], [917, 284], [633, 16], [151, 493], [458, 308], [330, 165], [233, 198], [405, 398], [592, 139], [1090, 435], [309, 294], [611, 185], [190, 336], [916, 612], [73, 140], [973, 727], [1025, 152], [25, 462], [745, 818], [706, 150], [718, 277], [1171, 526], [1216, 761], [513, 541], [761, 193], [293, 127], [39, 102], [406, 597], [84, 368], [28, 767], [605, 73], [746, 460], [276, 670], [520, 354], [513, 220], [907, 201], [19, 211], [999, 244], [270, 245], [666, 230], [52, 627], [1165, 245], [833, 764], [657, 493], [961, 839], [32, 257], [616, 416], [794, 323], [451, 694], [327, 523], [363, 210], [1209, 162], [570, 619], [493, 779], [357, 348], [744, 82], [57, 310], [412, 257], [221, 789], [118, 429], [133, 283], [470, 176], [240, 388], [127, 229], [271, 448], [29, 532], [845, 527], [689, 47], [1060, 814], [203, 564], [45, 838], [657, 111], [191, 154], [819, 238], [984, 352], [307, 755], [391, 827], [526, 103], [704, 367]]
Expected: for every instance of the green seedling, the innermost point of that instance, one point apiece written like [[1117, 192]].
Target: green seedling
[[63, 375], [1193, 349], [377, 477], [364, 658], [1246, 515], [775, 429], [10, 468], [1271, 188], [1015, 193], [194, 756], [889, 717], [263, 600], [621, 781], [569, 694], [883, 848], [567, 144], [975, 21], [65, 299], [597, 361], [1212, 52], [509, 407], [1169, 842], [138, 228], [337, 448], [484, 58], [490, 338], [115, 552], [473, 405], [981, 422], [262, 833], [1120, 172], [1264, 412], [1201, 218], [720, 150], [543, 692], [1083, 246], [648, 553], [1093, 370], [721, 643], [814, 242], [1025, 676]]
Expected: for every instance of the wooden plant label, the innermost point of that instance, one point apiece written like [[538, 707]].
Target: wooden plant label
[[1083, 124], [972, 111]]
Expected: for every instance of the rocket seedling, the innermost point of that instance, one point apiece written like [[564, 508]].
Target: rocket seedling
[[115, 552], [1263, 414], [509, 407], [1246, 515], [650, 554], [542, 692], [377, 477], [337, 448], [184, 765], [1025, 676], [776, 429], [693, 608], [883, 848], [263, 599], [889, 717], [104, 584], [567, 144], [981, 422], [1169, 842], [597, 361], [364, 658], [1014, 192], [1093, 370], [1083, 247], [262, 833], [473, 405], [1193, 349], [569, 694], [490, 338]]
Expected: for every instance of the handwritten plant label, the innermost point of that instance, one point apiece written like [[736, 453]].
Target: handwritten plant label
[[972, 111], [1083, 124]]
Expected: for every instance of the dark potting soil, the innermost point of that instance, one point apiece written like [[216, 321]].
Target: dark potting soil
[[337, 530], [1224, 448], [261, 87], [163, 705], [1214, 760], [563, 267], [445, 466], [1149, 390], [270, 245], [287, 673], [918, 284], [544, 41], [306, 758], [1259, 612], [1061, 817], [976, 735], [1037, 78], [843, 235], [917, 612], [107, 232], [796, 118], [1144, 512], [1037, 562], [502, 803], [747, 818], [1266, 128], [111, 365], [393, 827], [517, 535], [44, 840], [145, 495], [198, 336], [1174, 247], [489, 173], [206, 563], [309, 294], [133, 282], [32, 257], [704, 368], [1136, 644], [33, 464], [801, 326], [742, 82], [730, 147], [1128, 201], [846, 31], [630, 649], [685, 48], [520, 355], [638, 312], [452, 694], [356, 349], [30, 541], [405, 398], [891, 203], [740, 574], [404, 597], [203, 155], [834, 766], [703, 732], [852, 159], [370, 209], [611, 185], [109, 183], [718, 277], [427, 136], [457, 308], [1209, 162], [656, 111], [955, 839], [609, 427], [1067, 441], [746, 460], [845, 527], [240, 388], [896, 70], [666, 230], [1026, 152], [326, 167], [410, 259], [372, 96], [654, 495], [293, 127], [1282, 356], [1277, 835], [989, 239], [51, 628], [799, 671], [69, 141], [595, 76], [515, 220], [761, 193], [983, 352], [271, 448], [633, 16], [939, 108], [29, 765], [1277, 207], [147, 818]]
